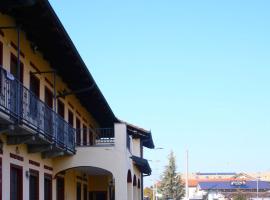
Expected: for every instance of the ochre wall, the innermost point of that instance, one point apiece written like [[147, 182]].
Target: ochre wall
[[10, 35], [98, 183]]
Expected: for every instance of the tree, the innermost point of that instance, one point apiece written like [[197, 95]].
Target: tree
[[172, 186], [240, 196]]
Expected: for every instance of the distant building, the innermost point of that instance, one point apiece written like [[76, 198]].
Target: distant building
[[212, 190], [225, 185]]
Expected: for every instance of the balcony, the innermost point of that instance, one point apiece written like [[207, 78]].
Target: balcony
[[25, 119], [99, 137]]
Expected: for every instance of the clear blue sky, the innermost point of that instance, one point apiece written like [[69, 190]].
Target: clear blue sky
[[197, 73]]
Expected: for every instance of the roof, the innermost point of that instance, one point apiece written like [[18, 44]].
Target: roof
[[195, 182], [138, 132], [216, 173], [230, 185], [43, 29], [142, 164]]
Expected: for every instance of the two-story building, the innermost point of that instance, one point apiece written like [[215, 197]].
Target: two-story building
[[59, 138]]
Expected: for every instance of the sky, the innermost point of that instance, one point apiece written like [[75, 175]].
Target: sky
[[195, 73]]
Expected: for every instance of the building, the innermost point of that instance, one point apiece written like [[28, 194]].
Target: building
[[59, 138], [225, 185], [228, 189]]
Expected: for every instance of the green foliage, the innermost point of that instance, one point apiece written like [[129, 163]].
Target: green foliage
[[172, 186], [240, 196]]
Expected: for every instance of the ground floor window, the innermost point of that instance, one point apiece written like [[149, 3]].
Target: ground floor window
[[16, 182], [47, 187], [33, 185]]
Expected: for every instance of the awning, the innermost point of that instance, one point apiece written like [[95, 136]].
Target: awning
[[142, 164]]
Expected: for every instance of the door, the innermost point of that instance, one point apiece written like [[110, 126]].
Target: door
[[60, 188], [48, 115], [16, 184], [78, 131], [14, 69], [79, 191], [60, 121], [34, 97], [48, 98], [85, 192], [13, 88], [0, 178], [61, 109], [34, 185], [101, 195], [84, 135], [47, 187], [98, 195], [71, 123]]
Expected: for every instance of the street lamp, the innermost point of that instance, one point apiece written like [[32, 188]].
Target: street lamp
[[258, 179]]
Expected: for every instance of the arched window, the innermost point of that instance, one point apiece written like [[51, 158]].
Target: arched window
[[134, 180], [139, 183], [129, 177]]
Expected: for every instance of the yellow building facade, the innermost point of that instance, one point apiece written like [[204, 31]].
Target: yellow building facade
[[59, 138]]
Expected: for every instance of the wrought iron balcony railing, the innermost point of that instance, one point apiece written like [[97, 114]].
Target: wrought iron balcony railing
[[95, 137], [23, 107]]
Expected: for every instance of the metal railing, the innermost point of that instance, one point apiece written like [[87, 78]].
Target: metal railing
[[95, 137], [24, 107]]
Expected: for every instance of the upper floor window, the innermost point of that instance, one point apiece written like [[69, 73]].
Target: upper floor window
[[14, 67]]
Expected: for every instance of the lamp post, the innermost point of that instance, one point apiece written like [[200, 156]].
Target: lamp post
[[155, 180]]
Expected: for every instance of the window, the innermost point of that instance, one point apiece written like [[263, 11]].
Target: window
[[61, 109], [60, 188], [78, 131], [16, 183], [84, 135], [33, 185], [79, 191], [13, 67], [47, 187]]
